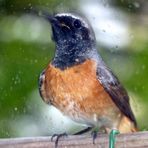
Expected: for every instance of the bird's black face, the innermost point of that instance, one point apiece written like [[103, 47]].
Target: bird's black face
[[74, 38], [70, 29]]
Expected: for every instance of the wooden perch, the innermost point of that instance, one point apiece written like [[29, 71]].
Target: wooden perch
[[134, 140]]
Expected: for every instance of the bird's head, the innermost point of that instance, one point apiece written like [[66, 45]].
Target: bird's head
[[74, 38], [71, 28]]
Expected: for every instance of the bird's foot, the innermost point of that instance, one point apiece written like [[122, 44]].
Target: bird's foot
[[112, 135], [57, 137]]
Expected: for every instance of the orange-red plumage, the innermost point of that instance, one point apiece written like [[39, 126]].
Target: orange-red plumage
[[77, 93]]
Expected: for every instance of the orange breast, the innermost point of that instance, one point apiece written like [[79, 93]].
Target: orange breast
[[76, 91]]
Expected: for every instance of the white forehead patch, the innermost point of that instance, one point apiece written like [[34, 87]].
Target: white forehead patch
[[68, 14], [73, 16]]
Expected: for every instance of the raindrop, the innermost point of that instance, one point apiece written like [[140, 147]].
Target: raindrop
[[47, 4], [131, 36], [11, 88], [16, 79], [15, 82], [13, 78], [29, 4], [130, 6], [6, 94], [136, 4], [26, 59], [24, 110], [46, 58], [143, 67], [15, 108], [35, 60], [143, 87], [7, 133], [137, 72], [46, 117], [11, 6], [20, 72], [116, 46], [135, 88], [31, 61]]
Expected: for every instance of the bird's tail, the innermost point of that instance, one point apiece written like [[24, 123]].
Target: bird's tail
[[127, 126]]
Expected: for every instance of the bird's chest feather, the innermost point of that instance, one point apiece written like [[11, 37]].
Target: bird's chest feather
[[70, 85], [76, 91]]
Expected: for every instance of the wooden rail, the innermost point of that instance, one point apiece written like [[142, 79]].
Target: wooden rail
[[134, 140]]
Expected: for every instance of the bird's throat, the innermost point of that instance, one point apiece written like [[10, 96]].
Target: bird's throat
[[71, 54], [64, 61]]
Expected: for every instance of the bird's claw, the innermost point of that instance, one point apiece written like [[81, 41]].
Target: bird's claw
[[58, 136]]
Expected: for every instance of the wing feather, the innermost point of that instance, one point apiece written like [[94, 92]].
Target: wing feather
[[116, 91]]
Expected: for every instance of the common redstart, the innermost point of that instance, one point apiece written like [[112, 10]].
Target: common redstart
[[78, 82]]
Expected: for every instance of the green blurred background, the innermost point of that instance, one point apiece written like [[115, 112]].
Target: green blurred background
[[121, 28]]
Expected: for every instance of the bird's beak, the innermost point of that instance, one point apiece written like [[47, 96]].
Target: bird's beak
[[49, 17], [46, 15]]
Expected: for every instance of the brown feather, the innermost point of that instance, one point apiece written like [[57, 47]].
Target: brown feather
[[77, 92]]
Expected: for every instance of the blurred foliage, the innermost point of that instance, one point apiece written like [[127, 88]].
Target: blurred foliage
[[21, 64], [21, 61], [129, 5]]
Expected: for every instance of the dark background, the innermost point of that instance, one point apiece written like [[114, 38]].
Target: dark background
[[121, 28]]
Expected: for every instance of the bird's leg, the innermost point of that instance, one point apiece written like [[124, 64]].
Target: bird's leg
[[94, 133], [112, 135], [58, 136]]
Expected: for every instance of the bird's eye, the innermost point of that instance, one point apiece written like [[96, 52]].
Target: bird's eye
[[77, 24]]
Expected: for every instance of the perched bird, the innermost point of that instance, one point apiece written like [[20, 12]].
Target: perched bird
[[78, 82]]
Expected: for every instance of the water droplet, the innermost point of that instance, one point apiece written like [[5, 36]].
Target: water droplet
[[116, 46], [136, 4], [11, 5], [11, 88], [131, 36], [143, 67], [15, 82], [24, 110], [130, 6], [15, 108], [35, 60], [29, 4], [135, 88], [104, 30], [94, 18]]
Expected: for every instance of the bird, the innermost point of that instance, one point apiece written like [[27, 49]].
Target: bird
[[78, 82]]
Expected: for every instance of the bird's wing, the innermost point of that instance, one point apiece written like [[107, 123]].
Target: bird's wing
[[41, 81], [116, 91]]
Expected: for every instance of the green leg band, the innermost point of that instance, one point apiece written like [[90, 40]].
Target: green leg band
[[112, 135]]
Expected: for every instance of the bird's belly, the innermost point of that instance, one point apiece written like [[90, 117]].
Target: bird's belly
[[77, 93]]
